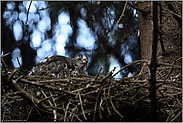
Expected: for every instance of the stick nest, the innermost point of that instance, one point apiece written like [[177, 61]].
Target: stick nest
[[91, 98]]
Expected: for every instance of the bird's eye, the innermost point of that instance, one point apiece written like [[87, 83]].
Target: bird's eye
[[78, 60]]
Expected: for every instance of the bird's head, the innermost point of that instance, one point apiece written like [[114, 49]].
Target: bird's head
[[81, 60]]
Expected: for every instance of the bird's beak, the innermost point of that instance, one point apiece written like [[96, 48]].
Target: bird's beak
[[84, 63]]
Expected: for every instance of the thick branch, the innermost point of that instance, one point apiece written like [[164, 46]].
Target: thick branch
[[153, 63]]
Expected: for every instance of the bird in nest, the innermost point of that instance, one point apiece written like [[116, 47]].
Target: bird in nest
[[61, 66]]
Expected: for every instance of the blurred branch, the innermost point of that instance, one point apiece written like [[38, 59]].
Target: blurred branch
[[126, 37], [28, 12], [129, 65], [172, 12]]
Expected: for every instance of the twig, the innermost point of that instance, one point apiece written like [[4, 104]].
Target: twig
[[107, 103], [113, 104], [122, 14], [5, 54], [21, 66], [98, 73], [29, 113], [109, 74], [126, 37], [115, 108], [28, 12], [129, 65], [18, 78], [176, 116], [176, 66], [73, 112], [81, 103], [169, 71], [27, 96], [66, 110], [5, 66], [55, 88], [172, 12], [78, 118], [54, 111], [11, 76], [101, 104]]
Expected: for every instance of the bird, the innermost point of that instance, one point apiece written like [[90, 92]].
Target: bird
[[61, 67]]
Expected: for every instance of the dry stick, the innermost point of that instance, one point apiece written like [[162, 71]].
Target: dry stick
[[107, 103], [54, 111], [101, 104], [176, 66], [47, 97], [11, 76], [5, 54], [176, 116], [21, 66], [3, 104], [101, 81], [122, 14], [141, 71], [109, 74], [177, 8], [81, 103], [115, 108], [28, 12], [169, 71], [98, 73], [66, 110], [95, 109], [36, 105], [5, 65], [39, 113], [29, 113], [101, 108], [173, 12], [73, 112], [78, 118], [130, 33], [179, 58], [3, 114], [55, 88], [129, 65], [171, 112], [41, 100], [27, 96]]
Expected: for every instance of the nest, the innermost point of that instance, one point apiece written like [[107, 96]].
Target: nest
[[90, 98]]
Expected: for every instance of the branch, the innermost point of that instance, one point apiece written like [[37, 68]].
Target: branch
[[28, 11], [153, 64], [122, 14]]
